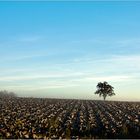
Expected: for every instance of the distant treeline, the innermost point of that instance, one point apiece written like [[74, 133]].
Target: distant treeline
[[7, 94]]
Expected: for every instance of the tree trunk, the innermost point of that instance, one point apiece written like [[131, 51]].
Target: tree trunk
[[104, 97]]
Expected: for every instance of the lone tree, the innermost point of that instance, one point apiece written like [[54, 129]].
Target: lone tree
[[104, 89]]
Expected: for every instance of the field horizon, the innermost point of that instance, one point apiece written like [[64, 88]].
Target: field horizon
[[77, 99]]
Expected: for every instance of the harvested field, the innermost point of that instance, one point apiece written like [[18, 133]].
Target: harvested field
[[65, 118]]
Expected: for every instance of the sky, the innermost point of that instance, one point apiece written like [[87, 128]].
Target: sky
[[63, 49]]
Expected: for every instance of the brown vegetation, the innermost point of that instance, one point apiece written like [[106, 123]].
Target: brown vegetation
[[56, 118]]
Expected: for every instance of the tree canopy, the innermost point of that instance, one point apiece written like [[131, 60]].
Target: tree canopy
[[104, 89]]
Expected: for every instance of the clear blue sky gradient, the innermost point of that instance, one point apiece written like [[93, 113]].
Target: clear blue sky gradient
[[63, 49]]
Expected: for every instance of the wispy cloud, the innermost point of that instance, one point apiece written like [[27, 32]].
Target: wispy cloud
[[29, 39], [118, 78], [41, 76], [22, 57], [129, 42], [32, 88]]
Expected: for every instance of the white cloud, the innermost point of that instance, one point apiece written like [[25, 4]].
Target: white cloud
[[40, 76], [118, 78], [43, 87]]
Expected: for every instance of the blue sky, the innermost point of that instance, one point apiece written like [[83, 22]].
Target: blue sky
[[63, 49]]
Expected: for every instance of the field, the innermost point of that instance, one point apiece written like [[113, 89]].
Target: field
[[59, 118]]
